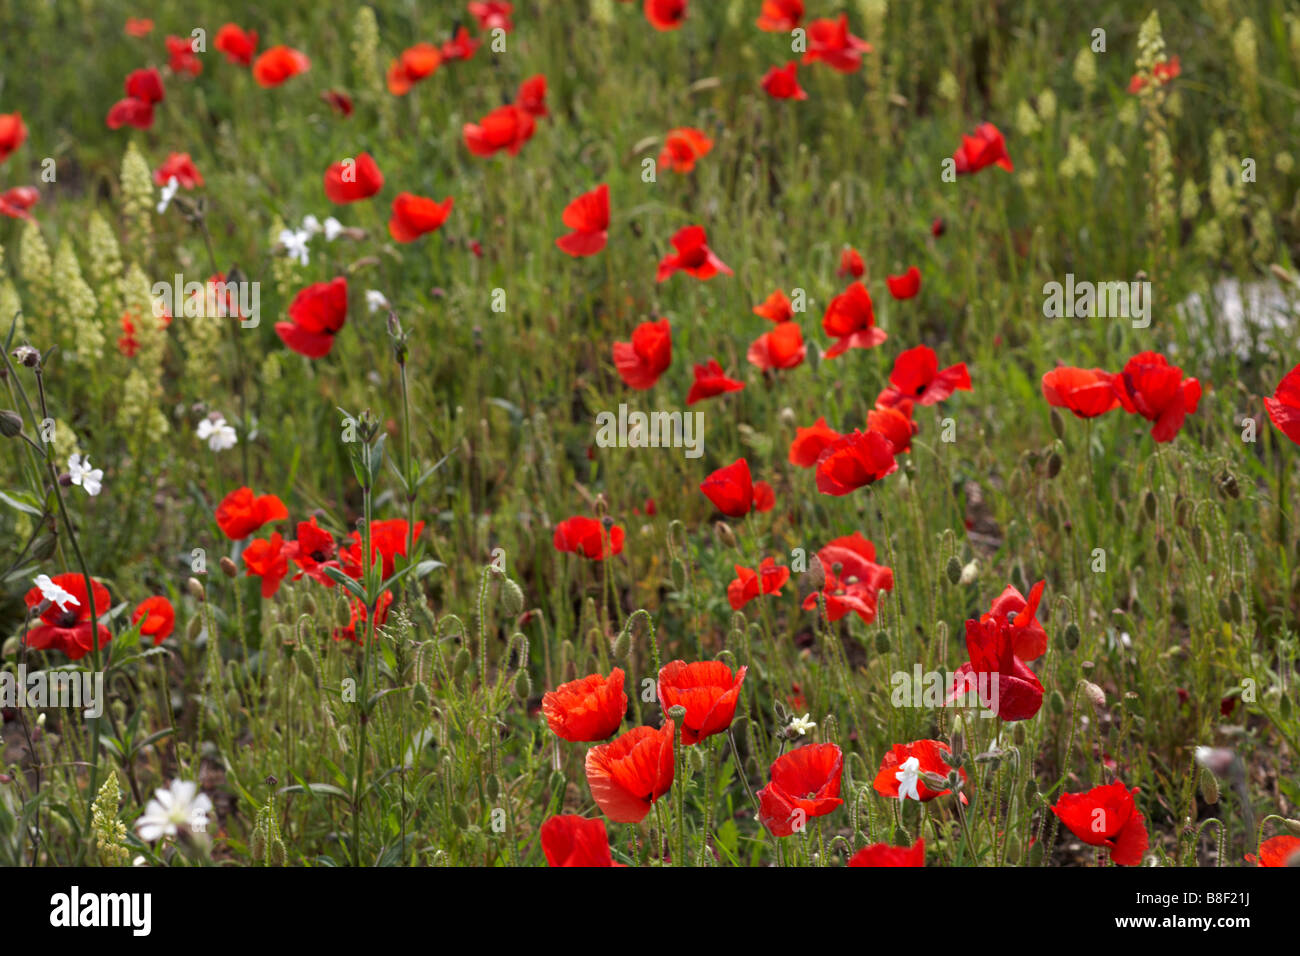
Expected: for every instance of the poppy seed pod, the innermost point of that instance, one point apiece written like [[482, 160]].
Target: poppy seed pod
[[228, 567], [11, 423]]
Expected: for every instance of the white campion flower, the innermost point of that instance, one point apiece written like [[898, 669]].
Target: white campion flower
[[55, 594], [375, 300], [91, 479], [295, 244], [310, 225], [217, 432], [802, 725], [313, 227], [179, 806], [908, 776], [168, 193], [332, 229]]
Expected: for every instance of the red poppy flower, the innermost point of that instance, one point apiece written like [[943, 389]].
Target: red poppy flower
[[461, 46], [278, 64], [682, 147], [180, 166], [13, 133], [937, 228], [809, 443], [1149, 386], [853, 579], [665, 14], [629, 774], [916, 376], [895, 423], [783, 347], [241, 512], [413, 216], [733, 491], [853, 460], [130, 112], [156, 617], [693, 256], [780, 16], [315, 315], [588, 217], [850, 319], [67, 627], [16, 202], [387, 541], [587, 537], [1029, 640], [709, 692], [882, 854], [1284, 407], [1085, 392], [237, 44], [180, 56], [991, 643], [906, 285], [145, 85], [1277, 851], [352, 180], [138, 26], [338, 101], [985, 148], [782, 83], [588, 709], [898, 772], [710, 380], [266, 559], [851, 263], [571, 840], [749, 584], [805, 783], [413, 65], [641, 361], [830, 42], [356, 627], [313, 550], [506, 127], [532, 96], [1106, 816], [492, 15], [775, 308], [1161, 72]]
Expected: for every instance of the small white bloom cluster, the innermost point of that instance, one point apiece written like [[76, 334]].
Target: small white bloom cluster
[[295, 240], [217, 432]]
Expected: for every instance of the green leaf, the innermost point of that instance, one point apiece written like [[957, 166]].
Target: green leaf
[[338, 577], [326, 788], [22, 501]]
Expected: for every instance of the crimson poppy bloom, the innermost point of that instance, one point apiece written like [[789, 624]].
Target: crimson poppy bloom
[[1029, 640], [991, 643], [895, 423], [266, 559], [709, 692], [1149, 386], [734, 492], [809, 443], [237, 44], [629, 774], [710, 380], [1085, 392], [67, 627], [782, 83], [775, 308], [588, 537], [850, 319], [805, 783], [356, 626], [532, 96], [906, 285], [853, 460], [851, 263], [780, 16], [1284, 407], [313, 550], [16, 202], [180, 166], [492, 15], [461, 46], [749, 584], [682, 147], [156, 617], [506, 127], [587, 709], [241, 512], [130, 112], [938, 227], [665, 14], [853, 579], [985, 148], [783, 347], [916, 376], [693, 256], [352, 180], [145, 85], [830, 42], [316, 314], [278, 64], [387, 542], [1106, 816], [641, 361], [588, 217], [13, 133], [1277, 851], [882, 854], [571, 840], [413, 216], [900, 769], [338, 101], [138, 26], [1161, 72], [180, 56], [414, 64]]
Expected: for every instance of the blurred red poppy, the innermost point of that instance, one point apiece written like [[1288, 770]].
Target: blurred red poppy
[[67, 627], [682, 147], [991, 642], [1106, 816], [356, 626], [241, 512], [693, 256], [492, 15], [851, 263], [809, 443], [138, 26], [1085, 392], [749, 584], [266, 559], [1284, 406], [775, 308], [665, 14], [352, 180], [710, 380], [461, 46], [588, 537], [506, 127], [588, 709], [1161, 72], [387, 542], [854, 460], [709, 692], [734, 492], [278, 64], [588, 217], [641, 361], [783, 347], [782, 83], [629, 774], [805, 784], [1029, 640], [850, 319], [895, 423], [180, 166], [156, 617], [414, 216], [571, 840], [180, 56], [882, 854], [1277, 851], [906, 285], [1149, 386], [237, 44], [16, 202], [916, 376], [13, 133], [414, 64], [985, 148], [144, 88], [532, 96], [313, 550], [338, 101], [316, 314], [780, 16], [830, 42]]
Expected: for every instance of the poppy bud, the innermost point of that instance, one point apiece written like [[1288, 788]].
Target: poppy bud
[[11, 424], [1057, 702], [725, 534], [1225, 611], [195, 587], [696, 758], [935, 782], [1149, 505], [1036, 854], [1058, 425], [228, 567], [882, 642], [1096, 696], [1071, 635], [461, 663], [954, 570], [523, 684], [492, 787], [1292, 826], [1234, 605], [1162, 550], [512, 599], [44, 547], [622, 644], [459, 817], [257, 845], [1209, 787], [306, 661], [901, 837], [193, 629]]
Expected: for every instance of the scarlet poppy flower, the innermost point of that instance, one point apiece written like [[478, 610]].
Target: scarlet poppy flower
[[882, 854], [138, 26], [665, 14], [749, 584], [900, 769], [532, 96], [461, 46], [237, 44], [67, 626], [1106, 816], [356, 627], [938, 228], [278, 64], [1284, 407], [1277, 851], [13, 133], [775, 308], [916, 376], [809, 443], [145, 85], [985, 148], [805, 784], [387, 542], [315, 315], [413, 216], [1161, 72], [180, 56], [492, 15], [414, 64], [830, 42], [895, 423], [734, 492], [991, 643], [629, 774], [906, 285], [571, 840], [709, 692], [851, 263], [156, 617], [130, 112], [266, 559], [588, 217], [710, 380], [682, 147], [783, 347], [780, 16], [641, 361], [1085, 392], [506, 127], [1029, 640], [241, 512], [587, 709], [693, 256], [1149, 386], [16, 202], [352, 180], [338, 101], [313, 550], [782, 83], [853, 579], [180, 166], [588, 537], [854, 460], [850, 319]]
